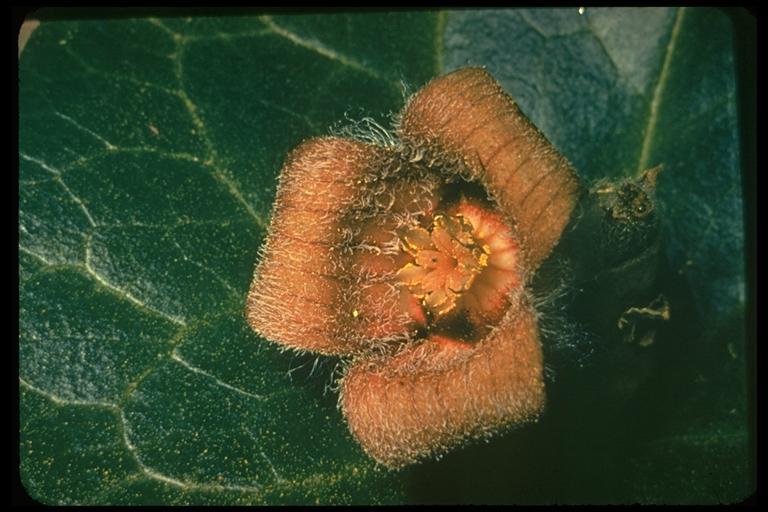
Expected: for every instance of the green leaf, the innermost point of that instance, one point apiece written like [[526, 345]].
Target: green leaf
[[149, 150], [618, 91]]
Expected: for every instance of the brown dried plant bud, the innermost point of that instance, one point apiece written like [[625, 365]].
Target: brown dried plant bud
[[412, 260]]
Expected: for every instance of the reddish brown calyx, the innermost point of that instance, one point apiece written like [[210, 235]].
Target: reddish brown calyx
[[462, 267]]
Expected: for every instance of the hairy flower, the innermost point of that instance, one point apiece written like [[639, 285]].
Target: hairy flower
[[411, 257]]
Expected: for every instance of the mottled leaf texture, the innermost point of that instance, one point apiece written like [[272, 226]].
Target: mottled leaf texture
[[149, 149]]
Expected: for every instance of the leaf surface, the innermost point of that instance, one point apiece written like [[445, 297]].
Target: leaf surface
[[149, 151]]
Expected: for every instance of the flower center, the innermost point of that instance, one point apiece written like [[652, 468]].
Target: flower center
[[446, 260], [459, 273]]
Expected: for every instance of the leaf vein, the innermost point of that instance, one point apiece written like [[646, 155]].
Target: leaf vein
[[119, 292], [320, 49], [65, 401], [90, 132], [194, 369], [60, 181], [658, 91], [212, 159]]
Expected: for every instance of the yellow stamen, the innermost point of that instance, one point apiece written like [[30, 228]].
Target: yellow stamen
[[447, 259]]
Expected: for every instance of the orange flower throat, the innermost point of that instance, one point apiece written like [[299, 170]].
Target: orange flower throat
[[463, 265], [447, 259]]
